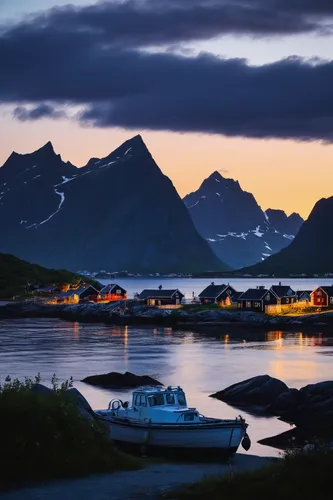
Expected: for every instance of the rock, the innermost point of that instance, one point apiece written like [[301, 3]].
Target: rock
[[287, 402], [119, 380], [41, 389], [80, 400], [87, 415], [260, 391]]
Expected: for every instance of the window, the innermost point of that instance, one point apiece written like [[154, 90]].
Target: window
[[181, 399], [140, 400], [170, 399], [248, 304], [319, 293], [118, 292], [287, 301], [257, 304], [189, 417], [331, 300], [156, 400], [268, 297]]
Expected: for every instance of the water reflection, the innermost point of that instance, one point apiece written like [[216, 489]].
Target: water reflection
[[202, 363]]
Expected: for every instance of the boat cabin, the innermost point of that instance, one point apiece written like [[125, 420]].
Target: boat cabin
[[159, 405]]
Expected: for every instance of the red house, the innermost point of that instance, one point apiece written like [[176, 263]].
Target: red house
[[112, 292], [322, 296]]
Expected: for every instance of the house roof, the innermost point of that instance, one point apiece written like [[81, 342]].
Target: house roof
[[69, 293], [327, 289], [78, 291], [282, 291], [50, 288], [159, 294], [235, 296], [301, 292], [110, 287], [212, 291], [254, 294]]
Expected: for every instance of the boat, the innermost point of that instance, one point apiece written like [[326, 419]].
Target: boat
[[159, 419]]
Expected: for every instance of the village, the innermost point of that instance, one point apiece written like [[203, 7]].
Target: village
[[277, 299]]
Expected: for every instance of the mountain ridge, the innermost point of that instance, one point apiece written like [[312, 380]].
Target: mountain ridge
[[118, 212], [234, 224]]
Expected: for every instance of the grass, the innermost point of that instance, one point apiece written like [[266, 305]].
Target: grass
[[300, 475], [43, 437], [16, 273]]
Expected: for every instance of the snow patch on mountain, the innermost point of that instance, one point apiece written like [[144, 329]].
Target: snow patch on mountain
[[257, 232]]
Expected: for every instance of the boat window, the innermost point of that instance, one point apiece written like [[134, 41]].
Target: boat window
[[156, 400], [170, 399], [181, 399], [140, 400], [189, 417]]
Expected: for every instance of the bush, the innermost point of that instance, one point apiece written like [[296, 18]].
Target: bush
[[44, 436], [298, 475]]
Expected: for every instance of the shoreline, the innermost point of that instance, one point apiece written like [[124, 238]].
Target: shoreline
[[152, 317], [151, 482]]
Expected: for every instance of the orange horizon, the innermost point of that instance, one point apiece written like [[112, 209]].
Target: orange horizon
[[281, 174]]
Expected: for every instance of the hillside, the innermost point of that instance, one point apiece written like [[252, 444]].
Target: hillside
[[15, 274], [311, 251]]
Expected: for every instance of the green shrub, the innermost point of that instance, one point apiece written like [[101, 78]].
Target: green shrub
[[299, 475], [44, 436]]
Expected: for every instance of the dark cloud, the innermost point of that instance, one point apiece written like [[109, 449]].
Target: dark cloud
[[43, 110], [159, 22], [88, 57]]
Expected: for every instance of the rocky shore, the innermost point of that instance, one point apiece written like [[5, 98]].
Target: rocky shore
[[134, 314], [309, 409]]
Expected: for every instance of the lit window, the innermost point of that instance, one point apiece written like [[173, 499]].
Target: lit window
[[248, 304], [257, 304], [331, 300]]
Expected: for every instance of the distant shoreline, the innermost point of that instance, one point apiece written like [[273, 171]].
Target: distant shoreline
[[151, 316]]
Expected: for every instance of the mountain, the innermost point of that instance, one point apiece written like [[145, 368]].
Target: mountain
[[116, 213], [16, 274], [312, 249], [237, 229]]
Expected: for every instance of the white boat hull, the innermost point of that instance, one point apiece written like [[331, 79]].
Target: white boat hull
[[226, 436]]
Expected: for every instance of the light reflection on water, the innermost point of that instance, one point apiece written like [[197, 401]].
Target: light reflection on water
[[201, 363]]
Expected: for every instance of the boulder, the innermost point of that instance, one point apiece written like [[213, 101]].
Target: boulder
[[79, 400], [41, 389], [262, 390], [119, 380], [322, 389], [287, 401]]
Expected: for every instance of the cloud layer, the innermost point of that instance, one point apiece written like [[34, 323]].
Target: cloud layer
[[92, 56]]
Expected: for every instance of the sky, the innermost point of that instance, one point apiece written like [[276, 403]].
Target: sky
[[244, 87]]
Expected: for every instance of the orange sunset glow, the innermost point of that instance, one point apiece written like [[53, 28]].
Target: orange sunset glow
[[282, 174]]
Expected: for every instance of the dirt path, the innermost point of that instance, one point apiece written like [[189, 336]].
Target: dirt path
[[134, 485]]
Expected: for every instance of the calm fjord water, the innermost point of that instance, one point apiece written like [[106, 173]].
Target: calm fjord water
[[201, 363]]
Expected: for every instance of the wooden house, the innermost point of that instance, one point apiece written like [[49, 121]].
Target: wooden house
[[112, 293], [322, 296], [161, 297], [303, 295], [284, 293], [81, 294], [256, 299], [217, 294]]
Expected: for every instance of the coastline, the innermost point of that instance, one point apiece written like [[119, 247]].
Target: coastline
[[152, 316]]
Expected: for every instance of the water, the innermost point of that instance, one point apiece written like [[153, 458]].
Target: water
[[189, 285], [201, 363]]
